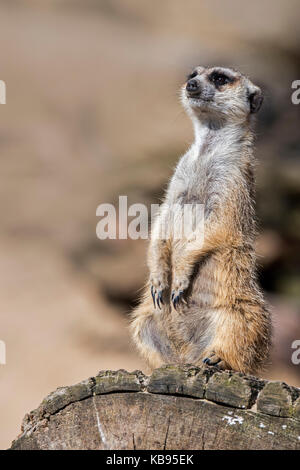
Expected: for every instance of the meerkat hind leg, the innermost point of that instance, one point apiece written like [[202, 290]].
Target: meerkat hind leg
[[239, 342], [151, 338]]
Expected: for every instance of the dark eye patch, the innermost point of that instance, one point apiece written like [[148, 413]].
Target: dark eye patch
[[220, 79], [192, 75]]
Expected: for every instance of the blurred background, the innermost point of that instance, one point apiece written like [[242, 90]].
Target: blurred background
[[92, 113]]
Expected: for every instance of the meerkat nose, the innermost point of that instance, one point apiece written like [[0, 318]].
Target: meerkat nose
[[193, 87]]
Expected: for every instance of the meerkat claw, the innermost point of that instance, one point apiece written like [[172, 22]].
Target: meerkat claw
[[210, 362], [160, 297], [153, 296], [157, 297], [175, 302], [213, 360], [176, 299]]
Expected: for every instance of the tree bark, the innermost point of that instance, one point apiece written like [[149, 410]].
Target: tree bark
[[177, 407]]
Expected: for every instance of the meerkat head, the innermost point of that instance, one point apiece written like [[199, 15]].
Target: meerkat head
[[220, 94]]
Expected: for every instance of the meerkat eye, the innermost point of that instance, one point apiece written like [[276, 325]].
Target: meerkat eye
[[192, 75], [219, 79]]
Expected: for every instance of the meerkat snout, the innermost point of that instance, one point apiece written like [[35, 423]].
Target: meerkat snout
[[193, 87]]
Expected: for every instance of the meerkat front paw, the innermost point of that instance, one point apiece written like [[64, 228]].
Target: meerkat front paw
[[158, 285], [180, 284]]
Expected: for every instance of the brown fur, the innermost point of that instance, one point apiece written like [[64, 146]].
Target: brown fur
[[221, 314]]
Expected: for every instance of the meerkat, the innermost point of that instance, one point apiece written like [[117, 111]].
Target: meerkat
[[202, 302]]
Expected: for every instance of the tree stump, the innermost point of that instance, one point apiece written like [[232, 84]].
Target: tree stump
[[177, 407]]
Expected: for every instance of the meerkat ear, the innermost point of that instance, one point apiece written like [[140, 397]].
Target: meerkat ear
[[256, 98]]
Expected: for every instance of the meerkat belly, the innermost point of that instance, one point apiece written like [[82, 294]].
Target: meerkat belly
[[203, 285], [196, 320], [209, 297]]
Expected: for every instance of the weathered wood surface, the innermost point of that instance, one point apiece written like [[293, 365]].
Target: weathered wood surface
[[175, 408]]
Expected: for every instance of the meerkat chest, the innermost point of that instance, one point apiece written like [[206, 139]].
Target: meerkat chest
[[198, 180]]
